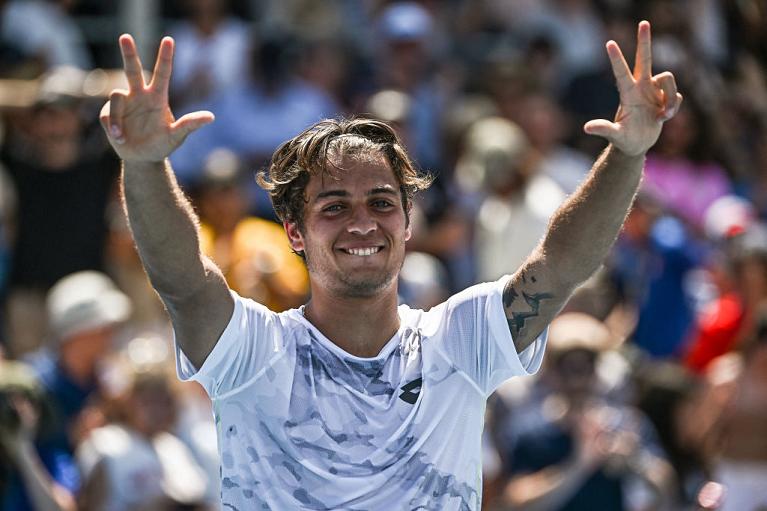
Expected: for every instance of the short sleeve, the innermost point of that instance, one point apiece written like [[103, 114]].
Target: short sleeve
[[250, 340], [474, 334]]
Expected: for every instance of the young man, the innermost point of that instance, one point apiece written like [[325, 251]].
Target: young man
[[352, 402]]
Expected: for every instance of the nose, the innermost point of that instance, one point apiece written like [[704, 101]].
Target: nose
[[361, 222]]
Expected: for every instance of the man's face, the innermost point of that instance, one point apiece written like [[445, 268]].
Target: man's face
[[355, 228]]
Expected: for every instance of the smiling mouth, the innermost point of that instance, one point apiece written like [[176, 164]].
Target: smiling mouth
[[362, 251]]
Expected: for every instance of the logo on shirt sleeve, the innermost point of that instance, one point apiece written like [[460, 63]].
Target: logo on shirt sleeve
[[411, 390]]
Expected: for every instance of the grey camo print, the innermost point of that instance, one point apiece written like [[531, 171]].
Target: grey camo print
[[316, 418]]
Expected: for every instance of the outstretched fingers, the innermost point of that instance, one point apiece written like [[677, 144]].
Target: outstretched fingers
[[643, 59], [163, 67], [131, 62], [619, 66]]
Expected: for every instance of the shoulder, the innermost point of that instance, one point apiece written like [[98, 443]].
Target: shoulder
[[469, 304]]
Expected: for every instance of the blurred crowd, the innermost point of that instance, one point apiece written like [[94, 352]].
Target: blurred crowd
[[653, 395]]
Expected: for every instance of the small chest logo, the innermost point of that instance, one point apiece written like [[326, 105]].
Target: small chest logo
[[411, 390]]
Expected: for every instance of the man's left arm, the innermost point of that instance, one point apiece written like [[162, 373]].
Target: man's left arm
[[583, 230]]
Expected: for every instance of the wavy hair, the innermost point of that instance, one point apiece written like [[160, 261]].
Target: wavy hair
[[309, 153]]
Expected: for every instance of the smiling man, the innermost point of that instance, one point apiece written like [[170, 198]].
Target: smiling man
[[351, 401]]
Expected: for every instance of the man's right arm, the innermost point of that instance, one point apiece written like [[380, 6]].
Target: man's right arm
[[166, 232], [143, 131]]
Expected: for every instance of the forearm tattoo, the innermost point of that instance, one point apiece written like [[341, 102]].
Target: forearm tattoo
[[518, 320]]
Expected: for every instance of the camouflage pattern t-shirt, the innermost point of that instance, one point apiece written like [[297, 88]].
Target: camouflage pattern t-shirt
[[302, 424]]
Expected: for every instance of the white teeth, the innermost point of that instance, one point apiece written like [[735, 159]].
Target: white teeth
[[363, 251]]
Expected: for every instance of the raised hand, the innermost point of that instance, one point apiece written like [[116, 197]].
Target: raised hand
[[646, 101], [138, 121]]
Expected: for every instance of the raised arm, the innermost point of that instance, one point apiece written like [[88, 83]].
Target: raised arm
[[583, 230], [142, 130]]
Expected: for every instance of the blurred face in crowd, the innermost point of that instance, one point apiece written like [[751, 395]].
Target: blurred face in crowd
[[151, 406], [678, 134], [223, 206], [53, 124], [56, 131], [575, 373], [81, 353], [542, 120], [406, 62], [354, 228]]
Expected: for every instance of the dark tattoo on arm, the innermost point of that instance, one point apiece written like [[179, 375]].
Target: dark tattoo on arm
[[517, 320]]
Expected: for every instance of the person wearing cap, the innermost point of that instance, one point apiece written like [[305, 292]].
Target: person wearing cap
[[34, 473], [572, 443], [84, 310], [501, 166], [353, 401], [63, 176], [407, 31]]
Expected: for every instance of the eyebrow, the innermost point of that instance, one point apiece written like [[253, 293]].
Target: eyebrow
[[379, 190]]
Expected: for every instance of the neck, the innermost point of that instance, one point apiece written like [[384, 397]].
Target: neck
[[359, 326]]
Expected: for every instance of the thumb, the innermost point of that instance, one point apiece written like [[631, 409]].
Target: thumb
[[601, 128], [191, 122]]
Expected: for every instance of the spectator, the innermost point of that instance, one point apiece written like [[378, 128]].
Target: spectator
[[84, 310], [63, 179], [650, 264], [271, 96], [680, 171], [741, 465], [499, 164], [44, 31], [732, 316], [546, 126], [211, 53], [34, 474], [732, 415], [567, 445], [670, 396], [406, 62], [136, 462]]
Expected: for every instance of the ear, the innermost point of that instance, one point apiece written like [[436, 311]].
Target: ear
[[408, 220], [294, 236]]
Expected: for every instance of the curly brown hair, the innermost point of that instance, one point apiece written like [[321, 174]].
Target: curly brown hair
[[308, 153]]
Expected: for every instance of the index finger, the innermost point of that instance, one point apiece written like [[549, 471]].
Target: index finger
[[620, 68], [131, 62], [643, 59]]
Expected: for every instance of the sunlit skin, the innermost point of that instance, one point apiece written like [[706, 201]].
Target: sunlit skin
[[357, 209]]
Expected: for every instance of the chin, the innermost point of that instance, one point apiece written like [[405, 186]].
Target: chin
[[364, 287]]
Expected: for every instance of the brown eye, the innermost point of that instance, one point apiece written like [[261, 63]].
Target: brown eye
[[382, 204]]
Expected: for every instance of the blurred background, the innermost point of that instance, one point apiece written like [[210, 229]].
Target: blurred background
[[653, 395]]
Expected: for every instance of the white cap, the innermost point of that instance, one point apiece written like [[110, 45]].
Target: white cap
[[84, 301], [493, 147], [576, 330]]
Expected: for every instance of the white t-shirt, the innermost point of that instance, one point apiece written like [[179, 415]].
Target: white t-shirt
[[302, 424]]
